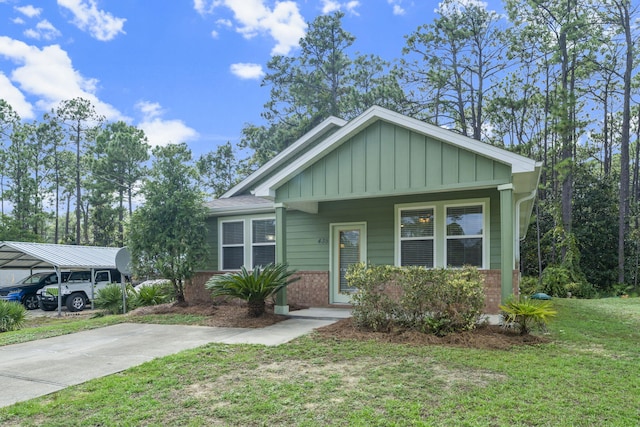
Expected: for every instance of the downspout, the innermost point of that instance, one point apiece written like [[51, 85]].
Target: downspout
[[517, 222]]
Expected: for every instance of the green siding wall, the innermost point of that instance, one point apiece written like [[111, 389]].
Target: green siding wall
[[384, 159], [211, 263], [308, 234]]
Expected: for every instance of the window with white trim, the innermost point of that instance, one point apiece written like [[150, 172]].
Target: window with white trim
[[232, 245], [465, 235], [417, 237], [248, 242], [263, 245]]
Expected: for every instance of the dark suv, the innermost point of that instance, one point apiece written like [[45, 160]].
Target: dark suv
[[25, 290]]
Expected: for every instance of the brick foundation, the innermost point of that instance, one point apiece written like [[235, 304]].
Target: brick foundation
[[312, 290]]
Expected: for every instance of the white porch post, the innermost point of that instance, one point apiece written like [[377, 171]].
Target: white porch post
[[282, 306]]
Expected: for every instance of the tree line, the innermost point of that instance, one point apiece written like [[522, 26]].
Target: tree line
[[553, 81]]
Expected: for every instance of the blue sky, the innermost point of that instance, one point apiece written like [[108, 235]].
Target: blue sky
[[181, 70]]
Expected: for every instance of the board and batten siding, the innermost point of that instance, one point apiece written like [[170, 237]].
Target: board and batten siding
[[308, 235], [386, 159]]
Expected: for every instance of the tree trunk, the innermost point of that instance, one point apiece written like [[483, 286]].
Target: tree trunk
[[255, 308]]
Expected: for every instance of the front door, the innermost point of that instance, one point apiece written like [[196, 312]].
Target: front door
[[349, 246]]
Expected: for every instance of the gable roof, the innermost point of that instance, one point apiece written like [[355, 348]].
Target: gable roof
[[524, 170], [23, 255]]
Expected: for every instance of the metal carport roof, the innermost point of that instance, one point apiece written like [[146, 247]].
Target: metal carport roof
[[23, 255]]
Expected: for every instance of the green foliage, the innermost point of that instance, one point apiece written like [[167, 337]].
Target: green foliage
[[253, 287], [525, 313], [372, 308], [438, 301], [157, 293], [167, 234], [12, 316], [109, 298], [529, 285]]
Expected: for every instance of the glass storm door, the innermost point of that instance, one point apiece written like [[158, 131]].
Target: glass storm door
[[348, 247]]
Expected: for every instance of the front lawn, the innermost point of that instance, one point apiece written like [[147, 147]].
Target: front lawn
[[587, 376]]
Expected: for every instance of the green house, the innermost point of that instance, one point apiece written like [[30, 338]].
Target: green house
[[382, 188]]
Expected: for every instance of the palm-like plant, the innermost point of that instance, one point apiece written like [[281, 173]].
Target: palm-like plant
[[527, 313], [253, 287]]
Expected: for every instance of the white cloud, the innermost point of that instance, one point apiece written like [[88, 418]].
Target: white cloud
[[330, 6], [44, 30], [86, 16], [15, 98], [159, 131], [48, 75], [18, 21], [397, 8], [283, 23], [215, 34], [247, 71], [29, 11]]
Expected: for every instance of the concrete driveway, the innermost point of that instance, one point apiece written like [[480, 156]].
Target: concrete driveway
[[41, 367]]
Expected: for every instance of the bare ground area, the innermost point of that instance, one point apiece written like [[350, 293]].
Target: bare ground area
[[235, 316]]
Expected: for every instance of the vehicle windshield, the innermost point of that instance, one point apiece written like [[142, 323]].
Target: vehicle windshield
[[33, 279]]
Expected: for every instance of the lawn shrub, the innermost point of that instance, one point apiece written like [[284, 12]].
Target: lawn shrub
[[154, 294], [529, 285], [526, 313], [372, 308], [254, 287], [109, 299], [437, 301], [558, 281], [12, 315]]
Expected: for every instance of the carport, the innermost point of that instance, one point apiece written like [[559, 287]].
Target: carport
[[39, 256]]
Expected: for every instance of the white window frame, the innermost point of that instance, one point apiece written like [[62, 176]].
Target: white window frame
[[398, 230], [247, 244], [483, 236], [440, 228]]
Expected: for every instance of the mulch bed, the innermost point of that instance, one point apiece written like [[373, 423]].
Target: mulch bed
[[234, 315]]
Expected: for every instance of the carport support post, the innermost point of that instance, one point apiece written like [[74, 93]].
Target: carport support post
[[506, 241], [281, 255], [57, 269]]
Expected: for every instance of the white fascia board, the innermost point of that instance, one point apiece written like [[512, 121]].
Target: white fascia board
[[517, 162], [285, 155]]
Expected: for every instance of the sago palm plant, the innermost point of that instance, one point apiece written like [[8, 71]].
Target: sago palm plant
[[253, 287], [526, 313]]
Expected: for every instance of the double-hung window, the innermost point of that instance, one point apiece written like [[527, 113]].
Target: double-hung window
[[248, 242], [417, 237], [263, 241], [232, 245], [442, 234], [465, 235]]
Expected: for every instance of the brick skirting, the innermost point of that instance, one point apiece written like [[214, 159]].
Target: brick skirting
[[312, 290]]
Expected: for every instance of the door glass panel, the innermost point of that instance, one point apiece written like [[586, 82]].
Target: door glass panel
[[349, 254]]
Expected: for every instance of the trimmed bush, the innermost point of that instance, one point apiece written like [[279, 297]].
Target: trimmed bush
[[529, 285], [12, 316], [437, 301]]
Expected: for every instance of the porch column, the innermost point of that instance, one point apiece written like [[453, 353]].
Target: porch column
[[506, 241], [281, 255]]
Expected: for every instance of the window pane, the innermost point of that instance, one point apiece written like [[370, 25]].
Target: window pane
[[462, 252], [417, 252], [464, 221], [416, 223], [232, 258], [264, 231], [263, 255], [232, 233]]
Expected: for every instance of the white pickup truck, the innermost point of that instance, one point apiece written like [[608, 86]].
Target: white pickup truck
[[76, 291]]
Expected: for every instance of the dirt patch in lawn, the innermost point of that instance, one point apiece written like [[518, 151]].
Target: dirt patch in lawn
[[234, 315]]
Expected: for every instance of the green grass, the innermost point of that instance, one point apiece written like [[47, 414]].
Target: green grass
[[587, 376]]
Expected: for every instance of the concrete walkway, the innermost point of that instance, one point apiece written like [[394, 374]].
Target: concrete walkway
[[41, 367]]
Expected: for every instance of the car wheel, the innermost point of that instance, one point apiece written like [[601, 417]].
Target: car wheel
[[47, 307], [75, 302], [30, 301]]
